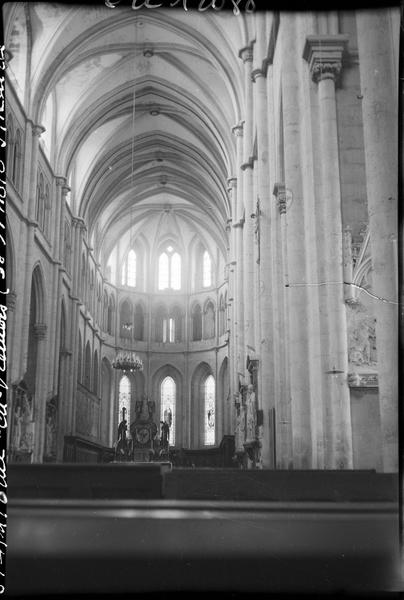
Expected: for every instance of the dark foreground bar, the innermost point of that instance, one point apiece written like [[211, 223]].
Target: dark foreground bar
[[96, 529], [79, 546]]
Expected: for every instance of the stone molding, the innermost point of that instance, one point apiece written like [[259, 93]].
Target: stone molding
[[249, 164], [60, 180], [256, 74], [79, 222], [246, 54], [232, 182], [237, 130], [363, 380], [40, 331], [280, 195], [38, 130], [324, 54], [11, 300], [239, 223]]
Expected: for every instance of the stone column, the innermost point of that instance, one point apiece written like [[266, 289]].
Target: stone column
[[58, 232], [247, 165], [324, 55], [284, 419], [55, 294], [238, 225], [39, 332], [298, 298], [379, 80], [78, 225], [232, 292], [262, 211]]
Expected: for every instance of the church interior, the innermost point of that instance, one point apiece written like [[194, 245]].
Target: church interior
[[202, 317]]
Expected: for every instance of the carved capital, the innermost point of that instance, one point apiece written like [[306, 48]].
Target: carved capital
[[60, 180], [246, 54], [40, 331], [237, 130], [256, 74], [38, 130], [65, 190], [280, 195], [248, 164], [324, 54], [11, 300], [79, 222], [326, 70], [8, 55], [239, 223], [232, 182]]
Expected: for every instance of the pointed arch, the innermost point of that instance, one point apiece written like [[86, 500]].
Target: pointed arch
[[200, 399], [63, 324], [161, 323], [196, 318], [206, 269], [106, 394], [17, 155], [95, 373], [124, 399], [37, 326], [138, 330], [169, 396], [224, 406], [38, 286], [10, 258], [10, 144], [79, 359], [110, 315], [209, 396], [87, 366], [126, 319], [209, 317], [176, 317]]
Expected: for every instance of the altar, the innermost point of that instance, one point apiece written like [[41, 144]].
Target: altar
[[143, 444]]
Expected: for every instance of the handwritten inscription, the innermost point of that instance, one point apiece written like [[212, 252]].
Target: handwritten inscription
[[249, 5], [3, 318]]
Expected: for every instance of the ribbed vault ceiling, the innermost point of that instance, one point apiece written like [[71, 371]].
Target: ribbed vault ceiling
[[139, 107]]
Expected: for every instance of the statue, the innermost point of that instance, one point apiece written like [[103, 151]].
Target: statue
[[168, 416], [51, 429], [151, 406], [138, 408], [165, 435], [122, 443], [17, 426], [251, 414]]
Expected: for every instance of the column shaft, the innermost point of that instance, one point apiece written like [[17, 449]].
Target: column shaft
[[336, 353], [379, 78], [297, 290]]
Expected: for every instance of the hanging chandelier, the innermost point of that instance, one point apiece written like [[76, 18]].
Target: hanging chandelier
[[126, 360]]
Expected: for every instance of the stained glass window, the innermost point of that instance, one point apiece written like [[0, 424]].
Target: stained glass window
[[210, 411], [175, 279], [124, 400], [129, 270], [163, 271], [171, 332], [167, 410], [169, 275], [207, 269]]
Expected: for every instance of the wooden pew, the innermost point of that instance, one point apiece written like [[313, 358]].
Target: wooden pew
[[109, 481]]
